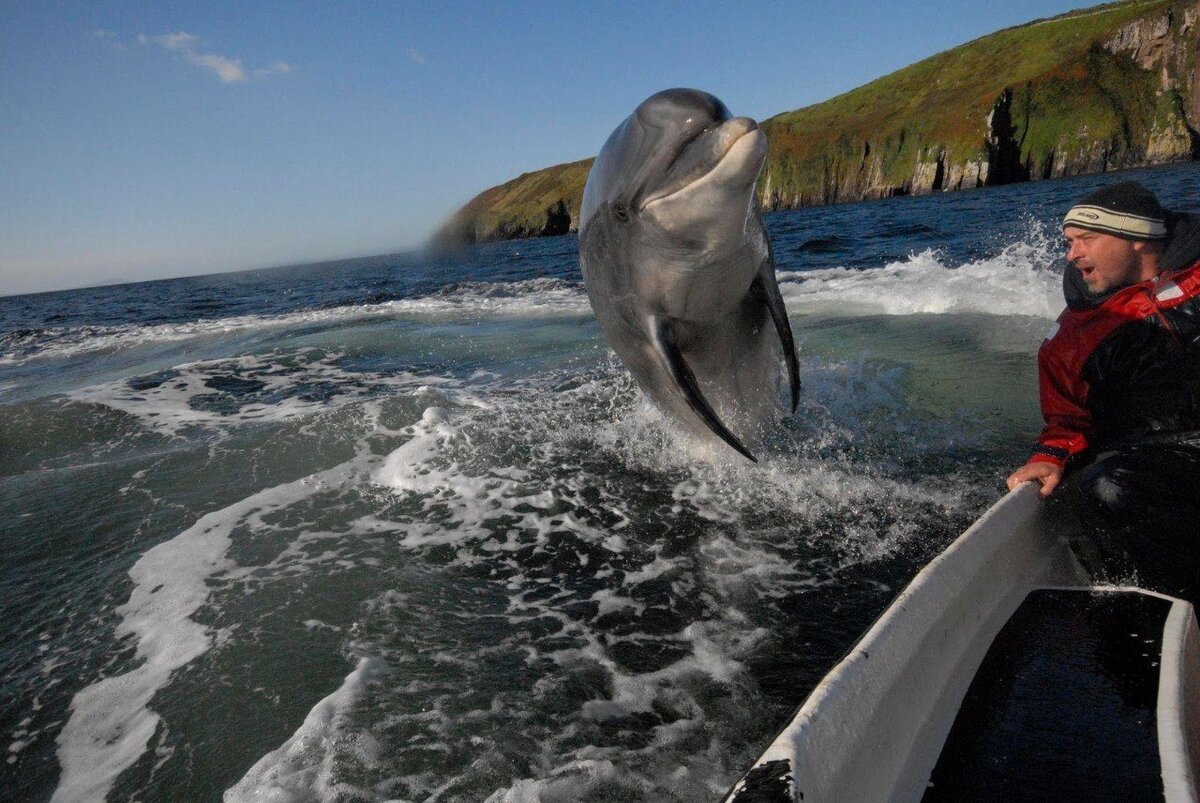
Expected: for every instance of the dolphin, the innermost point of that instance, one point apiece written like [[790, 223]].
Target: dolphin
[[679, 270]]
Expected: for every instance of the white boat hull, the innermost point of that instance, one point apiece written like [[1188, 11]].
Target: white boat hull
[[872, 730]]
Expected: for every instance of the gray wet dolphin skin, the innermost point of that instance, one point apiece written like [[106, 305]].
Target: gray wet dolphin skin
[[678, 266]]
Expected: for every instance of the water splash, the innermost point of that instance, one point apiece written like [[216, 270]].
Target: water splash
[[1024, 278]]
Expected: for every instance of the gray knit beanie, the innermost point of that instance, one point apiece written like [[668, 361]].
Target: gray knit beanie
[[1126, 209]]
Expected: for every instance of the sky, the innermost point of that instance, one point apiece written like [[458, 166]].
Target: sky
[[143, 140]]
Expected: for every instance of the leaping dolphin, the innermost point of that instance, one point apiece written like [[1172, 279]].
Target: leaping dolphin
[[679, 270]]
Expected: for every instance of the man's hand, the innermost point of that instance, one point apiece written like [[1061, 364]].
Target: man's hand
[[1048, 474]]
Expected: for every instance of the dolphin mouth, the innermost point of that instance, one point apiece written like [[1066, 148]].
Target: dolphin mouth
[[710, 153]]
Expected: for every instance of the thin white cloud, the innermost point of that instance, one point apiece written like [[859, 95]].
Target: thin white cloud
[[278, 68], [178, 41], [416, 55], [228, 69], [110, 38]]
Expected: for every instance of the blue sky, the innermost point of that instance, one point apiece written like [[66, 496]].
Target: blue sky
[[153, 139]]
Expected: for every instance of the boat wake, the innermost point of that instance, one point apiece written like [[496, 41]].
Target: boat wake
[[537, 570]]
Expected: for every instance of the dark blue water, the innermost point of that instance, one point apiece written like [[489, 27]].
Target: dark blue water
[[963, 226], [400, 527]]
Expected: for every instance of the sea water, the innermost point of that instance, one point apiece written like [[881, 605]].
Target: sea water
[[402, 528]]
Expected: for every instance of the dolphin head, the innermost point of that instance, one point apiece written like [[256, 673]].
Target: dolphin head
[[678, 267], [676, 180]]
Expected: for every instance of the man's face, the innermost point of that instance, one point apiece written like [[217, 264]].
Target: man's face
[[1105, 262]]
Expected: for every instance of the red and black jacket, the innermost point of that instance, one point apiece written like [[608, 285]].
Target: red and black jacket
[[1125, 366]]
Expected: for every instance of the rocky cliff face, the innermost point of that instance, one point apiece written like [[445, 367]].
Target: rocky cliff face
[[1132, 98], [1165, 44], [1106, 88]]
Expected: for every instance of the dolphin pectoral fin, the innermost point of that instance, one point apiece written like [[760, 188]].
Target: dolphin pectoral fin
[[668, 349], [770, 289]]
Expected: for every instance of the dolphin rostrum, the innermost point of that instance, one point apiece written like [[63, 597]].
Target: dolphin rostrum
[[679, 270]]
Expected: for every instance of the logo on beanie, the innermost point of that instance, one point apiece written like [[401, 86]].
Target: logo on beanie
[[1126, 209]]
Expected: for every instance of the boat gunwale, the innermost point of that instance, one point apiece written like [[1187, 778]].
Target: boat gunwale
[[846, 678]]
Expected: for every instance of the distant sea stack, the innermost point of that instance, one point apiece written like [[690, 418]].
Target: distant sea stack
[[1104, 88]]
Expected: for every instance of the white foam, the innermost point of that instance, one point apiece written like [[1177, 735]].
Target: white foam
[[569, 783], [1020, 280], [281, 380], [111, 724], [425, 467], [474, 477], [654, 771], [484, 510], [440, 465], [301, 769]]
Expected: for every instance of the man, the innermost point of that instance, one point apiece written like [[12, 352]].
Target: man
[[1120, 384]]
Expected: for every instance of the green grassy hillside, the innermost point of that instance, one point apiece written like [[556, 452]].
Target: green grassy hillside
[[1098, 89], [524, 207]]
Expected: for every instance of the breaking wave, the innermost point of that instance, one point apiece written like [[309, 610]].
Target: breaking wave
[[1025, 278], [466, 301]]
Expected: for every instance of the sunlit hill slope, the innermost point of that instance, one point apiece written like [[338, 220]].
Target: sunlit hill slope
[[1104, 88]]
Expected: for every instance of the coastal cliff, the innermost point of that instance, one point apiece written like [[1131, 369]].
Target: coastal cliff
[[1104, 88]]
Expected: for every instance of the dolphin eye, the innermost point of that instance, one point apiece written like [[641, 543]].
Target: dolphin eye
[[621, 212]]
